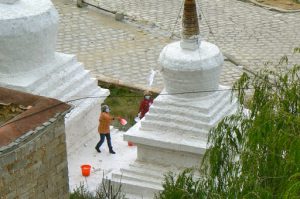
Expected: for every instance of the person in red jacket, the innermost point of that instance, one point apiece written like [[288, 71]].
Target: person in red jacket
[[104, 129], [145, 104]]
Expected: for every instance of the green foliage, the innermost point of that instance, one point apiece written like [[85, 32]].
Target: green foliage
[[254, 153], [81, 192], [124, 102], [105, 191], [293, 187], [182, 186]]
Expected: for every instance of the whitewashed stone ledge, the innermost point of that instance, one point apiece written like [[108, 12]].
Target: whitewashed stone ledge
[[8, 1]]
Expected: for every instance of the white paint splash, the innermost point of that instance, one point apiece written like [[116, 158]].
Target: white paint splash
[[151, 77]]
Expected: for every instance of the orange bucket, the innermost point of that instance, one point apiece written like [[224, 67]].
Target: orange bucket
[[85, 169]]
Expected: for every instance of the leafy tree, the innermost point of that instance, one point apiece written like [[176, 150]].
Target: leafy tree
[[254, 153]]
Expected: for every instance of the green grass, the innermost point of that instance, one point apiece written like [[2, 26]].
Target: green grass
[[123, 102]]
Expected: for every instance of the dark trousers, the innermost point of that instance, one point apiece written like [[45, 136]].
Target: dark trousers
[[102, 139]]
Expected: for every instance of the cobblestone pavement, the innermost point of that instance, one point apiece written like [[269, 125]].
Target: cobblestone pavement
[[253, 35], [125, 52]]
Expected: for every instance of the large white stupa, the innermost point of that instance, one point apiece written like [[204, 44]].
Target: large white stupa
[[173, 134], [28, 62]]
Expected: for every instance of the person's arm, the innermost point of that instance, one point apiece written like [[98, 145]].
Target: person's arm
[[114, 117]]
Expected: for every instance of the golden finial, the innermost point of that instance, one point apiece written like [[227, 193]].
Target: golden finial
[[190, 26]]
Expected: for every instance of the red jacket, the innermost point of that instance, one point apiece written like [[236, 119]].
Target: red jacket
[[144, 107]]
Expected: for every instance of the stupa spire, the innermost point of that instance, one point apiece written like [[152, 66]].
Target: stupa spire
[[190, 26]]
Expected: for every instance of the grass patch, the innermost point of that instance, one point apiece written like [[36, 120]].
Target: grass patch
[[123, 102]]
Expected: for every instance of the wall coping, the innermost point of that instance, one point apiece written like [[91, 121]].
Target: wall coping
[[42, 113]]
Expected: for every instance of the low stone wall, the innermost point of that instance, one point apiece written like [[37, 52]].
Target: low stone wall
[[35, 165]]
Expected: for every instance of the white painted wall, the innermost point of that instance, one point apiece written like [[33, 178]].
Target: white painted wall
[[7, 1], [28, 62]]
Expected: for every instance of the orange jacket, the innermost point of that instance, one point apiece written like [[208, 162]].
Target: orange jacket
[[104, 123]]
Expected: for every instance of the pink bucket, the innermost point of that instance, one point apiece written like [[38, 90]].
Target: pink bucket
[[122, 121]]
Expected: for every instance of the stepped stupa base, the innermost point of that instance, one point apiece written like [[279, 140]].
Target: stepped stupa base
[[141, 180], [172, 136], [65, 79]]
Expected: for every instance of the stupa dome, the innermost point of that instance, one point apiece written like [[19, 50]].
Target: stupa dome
[[27, 35], [191, 70], [191, 65]]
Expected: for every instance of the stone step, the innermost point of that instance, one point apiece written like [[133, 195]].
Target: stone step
[[137, 176], [78, 87], [193, 103], [195, 113], [152, 176], [173, 127], [153, 168], [58, 78], [135, 189], [68, 86], [95, 93], [228, 110], [168, 141], [224, 105], [156, 170], [181, 119], [142, 179], [178, 111], [137, 183], [70, 60]]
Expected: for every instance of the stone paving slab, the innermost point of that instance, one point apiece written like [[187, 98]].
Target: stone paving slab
[[252, 34], [119, 52]]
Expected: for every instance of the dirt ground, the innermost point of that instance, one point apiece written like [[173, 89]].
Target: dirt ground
[[284, 4], [9, 111]]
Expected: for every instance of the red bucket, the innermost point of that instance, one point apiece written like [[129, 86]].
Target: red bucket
[[85, 169], [130, 143]]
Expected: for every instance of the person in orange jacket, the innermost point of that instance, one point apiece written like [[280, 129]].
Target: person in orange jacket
[[104, 129], [145, 104]]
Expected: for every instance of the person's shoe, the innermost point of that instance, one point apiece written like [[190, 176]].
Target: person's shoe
[[112, 152], [98, 150]]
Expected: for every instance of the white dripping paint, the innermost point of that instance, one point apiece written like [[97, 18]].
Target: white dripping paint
[[151, 77]]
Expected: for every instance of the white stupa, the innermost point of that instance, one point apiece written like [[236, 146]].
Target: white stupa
[[173, 134], [28, 62]]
